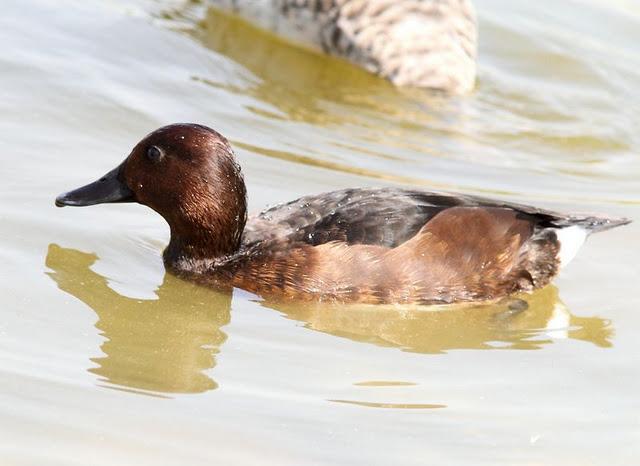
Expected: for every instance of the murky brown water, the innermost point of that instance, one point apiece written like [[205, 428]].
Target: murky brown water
[[105, 359]]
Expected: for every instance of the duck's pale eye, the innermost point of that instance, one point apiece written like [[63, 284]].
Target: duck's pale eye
[[155, 154]]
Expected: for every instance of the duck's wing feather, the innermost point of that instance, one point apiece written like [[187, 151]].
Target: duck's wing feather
[[381, 216]]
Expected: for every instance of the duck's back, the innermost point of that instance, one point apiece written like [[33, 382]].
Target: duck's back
[[373, 216], [384, 216], [396, 245]]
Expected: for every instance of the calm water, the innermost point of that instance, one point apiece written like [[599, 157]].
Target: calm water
[[106, 360]]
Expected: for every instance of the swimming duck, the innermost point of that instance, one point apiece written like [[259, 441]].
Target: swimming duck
[[420, 43], [366, 245]]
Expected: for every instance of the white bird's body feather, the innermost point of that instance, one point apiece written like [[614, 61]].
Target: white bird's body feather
[[570, 239]]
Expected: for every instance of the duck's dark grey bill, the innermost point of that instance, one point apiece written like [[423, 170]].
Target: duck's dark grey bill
[[108, 189]]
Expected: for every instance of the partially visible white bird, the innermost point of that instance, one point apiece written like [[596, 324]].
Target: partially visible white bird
[[421, 43]]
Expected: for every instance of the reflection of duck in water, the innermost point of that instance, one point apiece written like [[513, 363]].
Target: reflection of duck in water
[[161, 345], [528, 323], [167, 344], [421, 43]]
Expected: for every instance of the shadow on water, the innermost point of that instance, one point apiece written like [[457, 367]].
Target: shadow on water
[[168, 345]]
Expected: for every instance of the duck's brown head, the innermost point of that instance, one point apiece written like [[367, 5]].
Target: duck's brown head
[[187, 173]]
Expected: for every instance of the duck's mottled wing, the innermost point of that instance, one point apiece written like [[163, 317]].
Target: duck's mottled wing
[[385, 217]]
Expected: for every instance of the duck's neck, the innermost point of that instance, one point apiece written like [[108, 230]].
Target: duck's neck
[[202, 240]]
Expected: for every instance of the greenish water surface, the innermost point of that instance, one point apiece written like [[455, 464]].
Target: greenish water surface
[[106, 360]]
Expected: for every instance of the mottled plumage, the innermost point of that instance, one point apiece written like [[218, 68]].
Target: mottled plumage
[[422, 43], [386, 245], [382, 216]]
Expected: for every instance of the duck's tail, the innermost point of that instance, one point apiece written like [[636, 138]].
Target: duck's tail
[[592, 223], [572, 231]]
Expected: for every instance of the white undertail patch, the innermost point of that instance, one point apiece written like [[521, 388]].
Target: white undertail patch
[[570, 239]]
